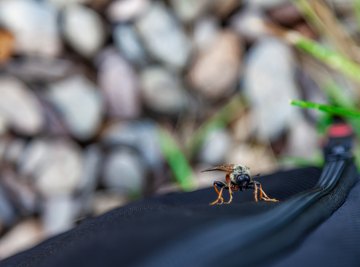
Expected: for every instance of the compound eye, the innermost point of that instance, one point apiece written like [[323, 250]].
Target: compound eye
[[242, 178]]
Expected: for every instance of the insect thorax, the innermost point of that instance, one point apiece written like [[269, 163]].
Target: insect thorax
[[238, 170]]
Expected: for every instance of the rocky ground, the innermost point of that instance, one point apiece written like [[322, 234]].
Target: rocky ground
[[87, 84]]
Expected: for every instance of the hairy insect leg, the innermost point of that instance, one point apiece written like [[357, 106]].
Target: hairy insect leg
[[230, 194], [220, 199], [264, 196], [256, 192]]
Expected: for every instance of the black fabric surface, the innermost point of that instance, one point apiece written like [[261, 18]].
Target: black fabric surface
[[129, 235]]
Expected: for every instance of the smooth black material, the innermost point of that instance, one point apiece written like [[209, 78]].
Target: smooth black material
[[130, 235]]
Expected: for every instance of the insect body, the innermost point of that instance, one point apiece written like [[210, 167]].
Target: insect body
[[237, 178]]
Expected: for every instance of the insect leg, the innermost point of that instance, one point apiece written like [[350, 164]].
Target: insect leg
[[219, 199], [230, 194], [256, 191], [264, 196]]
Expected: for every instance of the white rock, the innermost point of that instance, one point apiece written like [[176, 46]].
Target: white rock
[[266, 4], [127, 41], [258, 158], [83, 29], [215, 71], [119, 82], [59, 214], [269, 85], [125, 10], [80, 104], [205, 32], [163, 36], [23, 236], [63, 3], [162, 91], [250, 24], [215, 148], [59, 172], [106, 201], [124, 172], [19, 107], [189, 10], [34, 24], [33, 157]]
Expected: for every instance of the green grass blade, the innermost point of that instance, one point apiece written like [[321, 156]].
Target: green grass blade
[[340, 111], [328, 56], [177, 161]]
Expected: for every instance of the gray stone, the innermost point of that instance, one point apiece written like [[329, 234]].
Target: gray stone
[[125, 10], [57, 168], [7, 211], [34, 25], [215, 147], [189, 10], [105, 201], [162, 91], [58, 215], [205, 32], [249, 23], [19, 107], [124, 172], [127, 41], [142, 135], [90, 177], [215, 70], [269, 85], [163, 36], [83, 29], [119, 83], [64, 3], [34, 69], [80, 104], [23, 236]]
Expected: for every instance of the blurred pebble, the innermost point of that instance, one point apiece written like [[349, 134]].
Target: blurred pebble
[[33, 157], [14, 151], [124, 172], [92, 161], [265, 4], [269, 96], [141, 135], [58, 215], [163, 36], [300, 133], [128, 43], [23, 196], [23, 236], [63, 3], [118, 80], [258, 158], [34, 26], [83, 29], [224, 8], [205, 32], [249, 23], [80, 104], [241, 130], [19, 107], [286, 14], [162, 91], [215, 71], [7, 43], [34, 69], [189, 10], [125, 10], [7, 211], [215, 147], [105, 201], [59, 172]]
